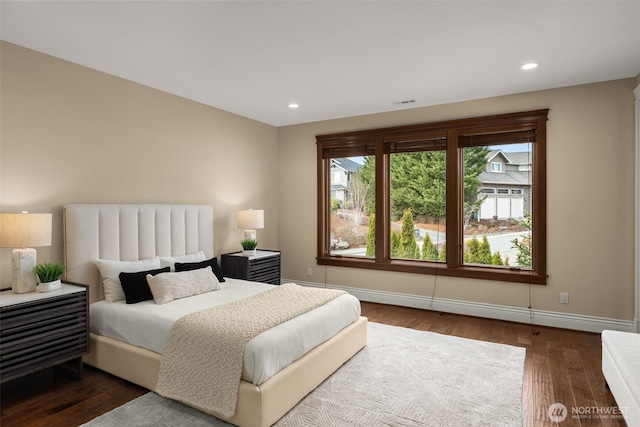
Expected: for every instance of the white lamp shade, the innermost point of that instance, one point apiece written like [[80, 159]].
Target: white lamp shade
[[23, 230], [251, 219]]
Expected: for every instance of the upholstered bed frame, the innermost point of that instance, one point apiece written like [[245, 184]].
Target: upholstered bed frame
[[131, 232]]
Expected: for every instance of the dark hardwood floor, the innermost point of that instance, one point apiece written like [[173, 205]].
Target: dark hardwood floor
[[561, 366]]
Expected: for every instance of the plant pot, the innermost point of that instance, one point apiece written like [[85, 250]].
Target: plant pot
[[249, 252], [49, 286]]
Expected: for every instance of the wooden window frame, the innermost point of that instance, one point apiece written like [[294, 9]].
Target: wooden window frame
[[460, 133]]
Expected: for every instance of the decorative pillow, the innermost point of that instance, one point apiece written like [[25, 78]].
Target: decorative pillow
[[213, 263], [169, 261], [166, 287], [110, 271], [135, 286]]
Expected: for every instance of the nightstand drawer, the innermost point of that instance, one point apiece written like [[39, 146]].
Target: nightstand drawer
[[262, 267], [40, 330]]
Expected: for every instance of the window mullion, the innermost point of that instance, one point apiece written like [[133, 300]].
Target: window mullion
[[539, 201], [454, 200], [383, 221], [324, 228]]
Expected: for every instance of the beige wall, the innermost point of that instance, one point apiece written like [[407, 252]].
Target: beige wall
[[73, 135], [590, 202]]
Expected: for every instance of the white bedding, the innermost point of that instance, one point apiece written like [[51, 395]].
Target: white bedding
[[147, 325]]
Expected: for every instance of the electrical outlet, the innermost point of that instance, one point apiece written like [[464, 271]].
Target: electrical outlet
[[564, 298], [308, 271]]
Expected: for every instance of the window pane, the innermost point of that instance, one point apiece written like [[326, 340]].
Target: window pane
[[418, 205], [352, 206], [497, 227]]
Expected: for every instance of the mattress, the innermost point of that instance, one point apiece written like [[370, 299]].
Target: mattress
[[147, 325], [621, 369]]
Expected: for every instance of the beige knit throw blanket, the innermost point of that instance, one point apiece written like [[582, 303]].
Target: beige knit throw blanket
[[202, 362]]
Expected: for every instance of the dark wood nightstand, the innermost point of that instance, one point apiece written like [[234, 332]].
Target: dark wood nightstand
[[264, 266], [43, 329]]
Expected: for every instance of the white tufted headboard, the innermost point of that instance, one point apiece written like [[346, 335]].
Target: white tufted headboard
[[130, 232]]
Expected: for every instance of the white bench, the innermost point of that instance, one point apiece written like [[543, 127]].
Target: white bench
[[621, 369]]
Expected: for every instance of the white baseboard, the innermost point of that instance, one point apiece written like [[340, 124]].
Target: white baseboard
[[492, 311]]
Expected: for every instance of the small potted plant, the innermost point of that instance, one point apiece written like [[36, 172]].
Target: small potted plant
[[249, 247], [49, 274]]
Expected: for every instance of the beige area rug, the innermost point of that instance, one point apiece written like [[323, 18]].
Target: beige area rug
[[403, 377]]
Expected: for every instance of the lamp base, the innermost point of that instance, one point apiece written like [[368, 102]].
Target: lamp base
[[23, 264], [249, 234]]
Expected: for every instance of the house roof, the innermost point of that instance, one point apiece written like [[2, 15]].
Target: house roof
[[505, 178], [346, 164], [514, 158], [520, 158]]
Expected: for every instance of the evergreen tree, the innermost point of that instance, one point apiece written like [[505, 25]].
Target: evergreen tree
[[368, 176], [371, 236], [395, 245], [475, 160], [442, 256], [485, 251], [418, 182], [429, 250], [408, 246], [524, 257], [472, 254], [480, 253], [416, 252], [496, 259]]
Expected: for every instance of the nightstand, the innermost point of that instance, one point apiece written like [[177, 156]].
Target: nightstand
[[264, 266], [43, 329]]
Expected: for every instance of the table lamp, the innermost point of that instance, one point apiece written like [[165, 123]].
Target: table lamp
[[21, 230], [249, 220]]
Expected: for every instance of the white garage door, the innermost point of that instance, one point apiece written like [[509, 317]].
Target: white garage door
[[502, 207], [517, 207], [488, 208]]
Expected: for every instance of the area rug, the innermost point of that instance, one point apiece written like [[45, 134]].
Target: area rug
[[403, 377]]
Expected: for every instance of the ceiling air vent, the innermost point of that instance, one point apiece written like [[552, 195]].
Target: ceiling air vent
[[406, 102]]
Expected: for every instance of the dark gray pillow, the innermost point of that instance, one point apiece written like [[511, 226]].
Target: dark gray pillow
[[135, 286], [213, 263]]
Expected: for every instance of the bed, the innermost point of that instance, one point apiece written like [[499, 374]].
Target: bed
[[131, 232]]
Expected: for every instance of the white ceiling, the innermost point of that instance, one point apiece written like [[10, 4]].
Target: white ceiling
[[335, 59]]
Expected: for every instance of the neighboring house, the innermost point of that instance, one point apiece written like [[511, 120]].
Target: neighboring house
[[506, 184], [341, 172]]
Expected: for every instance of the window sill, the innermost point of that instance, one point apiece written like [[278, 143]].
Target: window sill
[[503, 274]]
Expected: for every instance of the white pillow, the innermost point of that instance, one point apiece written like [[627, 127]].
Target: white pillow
[[170, 261], [110, 271], [166, 287]]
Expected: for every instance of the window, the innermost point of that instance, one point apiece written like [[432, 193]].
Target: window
[[420, 198], [496, 167]]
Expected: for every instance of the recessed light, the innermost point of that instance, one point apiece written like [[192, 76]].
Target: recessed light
[[530, 66], [293, 105]]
